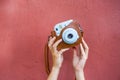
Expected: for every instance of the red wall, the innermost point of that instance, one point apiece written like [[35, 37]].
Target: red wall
[[26, 24]]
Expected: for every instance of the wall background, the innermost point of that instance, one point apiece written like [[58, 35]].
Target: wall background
[[25, 25]]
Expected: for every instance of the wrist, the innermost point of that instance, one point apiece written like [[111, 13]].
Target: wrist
[[79, 71], [79, 75], [55, 68]]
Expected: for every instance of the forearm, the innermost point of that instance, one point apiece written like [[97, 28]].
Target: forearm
[[54, 74], [79, 75]]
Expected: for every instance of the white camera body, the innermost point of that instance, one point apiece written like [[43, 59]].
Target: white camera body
[[69, 35]]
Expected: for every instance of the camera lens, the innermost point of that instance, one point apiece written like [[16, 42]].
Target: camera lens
[[70, 36], [56, 29]]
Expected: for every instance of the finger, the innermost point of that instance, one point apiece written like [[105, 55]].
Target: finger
[[49, 38], [51, 41], [63, 50], [82, 50], [56, 43], [85, 46], [74, 52]]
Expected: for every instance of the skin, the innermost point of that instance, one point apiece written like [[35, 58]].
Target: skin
[[79, 59]]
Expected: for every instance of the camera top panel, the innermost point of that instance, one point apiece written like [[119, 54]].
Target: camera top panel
[[58, 27]]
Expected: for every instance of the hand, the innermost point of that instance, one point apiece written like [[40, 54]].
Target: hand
[[80, 59], [56, 55]]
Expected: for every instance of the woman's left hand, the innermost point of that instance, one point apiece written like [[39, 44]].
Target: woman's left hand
[[56, 55]]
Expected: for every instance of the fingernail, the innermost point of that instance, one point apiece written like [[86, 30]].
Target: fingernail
[[82, 38], [80, 44], [49, 37], [60, 39], [54, 37]]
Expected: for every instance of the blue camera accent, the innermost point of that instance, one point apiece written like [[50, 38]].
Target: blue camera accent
[[58, 27], [70, 36]]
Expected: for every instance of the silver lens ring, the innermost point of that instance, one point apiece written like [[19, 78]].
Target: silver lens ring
[[70, 36]]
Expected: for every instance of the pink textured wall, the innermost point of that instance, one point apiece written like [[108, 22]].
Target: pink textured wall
[[25, 25]]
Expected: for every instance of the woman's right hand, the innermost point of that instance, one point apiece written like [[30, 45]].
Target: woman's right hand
[[79, 59]]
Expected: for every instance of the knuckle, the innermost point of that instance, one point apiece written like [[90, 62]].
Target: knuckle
[[54, 46], [60, 52], [55, 55], [86, 58], [49, 45], [88, 48]]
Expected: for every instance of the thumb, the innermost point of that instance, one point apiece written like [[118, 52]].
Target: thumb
[[63, 50]]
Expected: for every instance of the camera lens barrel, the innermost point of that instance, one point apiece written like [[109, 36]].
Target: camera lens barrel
[[70, 36]]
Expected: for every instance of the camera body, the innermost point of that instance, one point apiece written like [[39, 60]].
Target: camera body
[[70, 32]]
